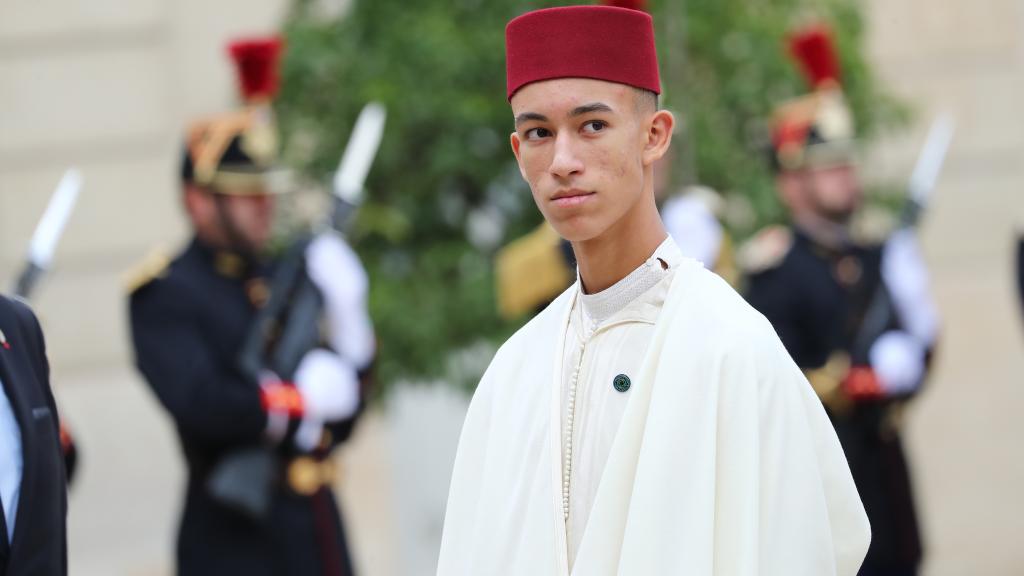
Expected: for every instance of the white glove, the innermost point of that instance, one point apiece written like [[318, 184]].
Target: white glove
[[692, 224], [898, 360], [906, 276], [336, 270], [330, 392]]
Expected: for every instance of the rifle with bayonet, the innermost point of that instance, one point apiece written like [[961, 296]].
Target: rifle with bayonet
[[922, 184], [40, 254], [288, 326]]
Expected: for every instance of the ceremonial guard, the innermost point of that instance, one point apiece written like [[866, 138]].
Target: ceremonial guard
[[257, 443], [855, 315]]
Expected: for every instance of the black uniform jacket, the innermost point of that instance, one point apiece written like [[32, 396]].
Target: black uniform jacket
[[39, 544], [188, 326]]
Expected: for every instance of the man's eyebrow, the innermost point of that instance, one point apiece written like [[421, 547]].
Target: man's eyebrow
[[577, 111], [589, 108], [527, 116]]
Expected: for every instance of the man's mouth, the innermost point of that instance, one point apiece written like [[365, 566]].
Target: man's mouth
[[572, 197]]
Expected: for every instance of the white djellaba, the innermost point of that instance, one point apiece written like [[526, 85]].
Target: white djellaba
[[724, 461]]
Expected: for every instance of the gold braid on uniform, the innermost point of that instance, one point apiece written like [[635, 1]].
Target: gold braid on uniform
[[827, 382], [531, 271], [153, 266]]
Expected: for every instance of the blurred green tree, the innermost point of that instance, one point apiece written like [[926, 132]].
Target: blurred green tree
[[444, 192]]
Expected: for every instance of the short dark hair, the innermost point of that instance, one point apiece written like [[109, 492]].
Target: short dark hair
[[645, 99]]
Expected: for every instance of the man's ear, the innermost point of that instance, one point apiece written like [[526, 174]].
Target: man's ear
[[514, 140], [197, 203], [659, 136]]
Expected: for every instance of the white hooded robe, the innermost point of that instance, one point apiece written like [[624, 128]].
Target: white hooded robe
[[724, 461]]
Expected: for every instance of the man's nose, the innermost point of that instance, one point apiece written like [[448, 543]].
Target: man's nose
[[265, 202], [566, 162]]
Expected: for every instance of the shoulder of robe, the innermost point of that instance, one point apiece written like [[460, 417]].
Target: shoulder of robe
[[765, 250], [535, 331], [154, 266]]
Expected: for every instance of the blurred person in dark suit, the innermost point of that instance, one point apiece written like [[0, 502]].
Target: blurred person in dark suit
[[33, 479]]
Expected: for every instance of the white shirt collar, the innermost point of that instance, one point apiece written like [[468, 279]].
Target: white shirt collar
[[12, 463]]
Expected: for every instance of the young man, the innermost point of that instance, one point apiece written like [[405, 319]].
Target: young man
[[259, 499], [648, 421], [856, 314]]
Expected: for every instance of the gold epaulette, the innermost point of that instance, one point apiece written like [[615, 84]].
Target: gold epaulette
[[531, 271], [765, 250], [154, 265]]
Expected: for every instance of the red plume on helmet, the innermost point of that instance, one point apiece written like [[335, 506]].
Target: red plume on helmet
[[256, 62], [812, 47], [640, 5]]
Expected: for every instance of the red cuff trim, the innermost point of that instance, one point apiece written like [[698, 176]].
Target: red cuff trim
[[282, 397], [862, 384]]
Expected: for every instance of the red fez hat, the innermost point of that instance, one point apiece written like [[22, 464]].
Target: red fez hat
[[599, 42]]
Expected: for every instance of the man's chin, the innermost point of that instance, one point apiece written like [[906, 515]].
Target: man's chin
[[576, 230], [257, 248], [839, 215]]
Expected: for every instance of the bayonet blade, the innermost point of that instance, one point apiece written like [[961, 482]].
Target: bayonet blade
[[51, 225], [929, 163], [48, 231], [359, 153]]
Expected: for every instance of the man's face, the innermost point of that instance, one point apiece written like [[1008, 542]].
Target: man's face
[[832, 192], [249, 217], [835, 191], [583, 146], [252, 217]]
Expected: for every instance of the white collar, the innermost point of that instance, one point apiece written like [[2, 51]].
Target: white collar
[[602, 305]]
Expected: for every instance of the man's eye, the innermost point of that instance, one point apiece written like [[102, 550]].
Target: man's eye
[[534, 133], [594, 126]]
